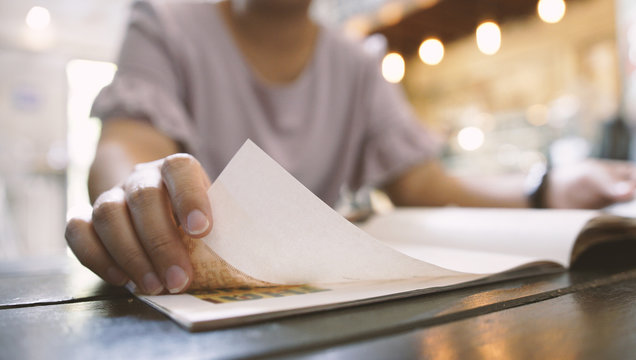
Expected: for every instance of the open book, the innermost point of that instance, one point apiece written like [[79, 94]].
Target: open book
[[276, 249]]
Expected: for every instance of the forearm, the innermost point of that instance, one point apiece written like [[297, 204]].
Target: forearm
[[429, 185], [501, 191], [123, 144], [113, 162]]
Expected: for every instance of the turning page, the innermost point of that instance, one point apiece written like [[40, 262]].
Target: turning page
[[270, 227]]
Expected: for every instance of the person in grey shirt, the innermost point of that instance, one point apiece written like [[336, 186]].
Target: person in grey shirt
[[195, 79]]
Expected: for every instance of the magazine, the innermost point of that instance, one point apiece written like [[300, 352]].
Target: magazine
[[276, 249]]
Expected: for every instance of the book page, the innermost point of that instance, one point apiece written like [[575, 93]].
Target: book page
[[624, 209], [479, 240], [268, 226]]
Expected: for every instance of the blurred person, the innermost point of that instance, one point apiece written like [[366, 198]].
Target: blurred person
[[196, 79]]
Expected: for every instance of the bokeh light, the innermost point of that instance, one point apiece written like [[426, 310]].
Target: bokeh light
[[393, 67], [488, 37], [537, 114], [391, 13], [431, 51], [38, 18], [551, 11], [470, 138]]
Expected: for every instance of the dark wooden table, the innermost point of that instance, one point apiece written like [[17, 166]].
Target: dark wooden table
[[64, 312]]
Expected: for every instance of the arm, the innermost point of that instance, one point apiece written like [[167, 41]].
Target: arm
[[591, 184], [427, 184]]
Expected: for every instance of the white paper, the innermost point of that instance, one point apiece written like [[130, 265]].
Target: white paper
[[481, 240], [625, 209], [270, 227]]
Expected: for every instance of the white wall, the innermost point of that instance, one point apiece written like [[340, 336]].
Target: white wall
[[32, 151], [33, 113]]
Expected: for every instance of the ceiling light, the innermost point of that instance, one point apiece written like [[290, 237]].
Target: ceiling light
[[488, 37], [38, 18], [431, 51], [470, 138], [393, 67], [551, 11]]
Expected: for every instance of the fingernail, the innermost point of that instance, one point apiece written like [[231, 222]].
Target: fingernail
[[116, 276], [197, 222], [152, 285], [176, 279]]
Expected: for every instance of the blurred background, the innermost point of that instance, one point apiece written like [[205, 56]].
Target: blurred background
[[508, 83]]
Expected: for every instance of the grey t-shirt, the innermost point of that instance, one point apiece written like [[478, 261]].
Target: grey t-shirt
[[339, 123]]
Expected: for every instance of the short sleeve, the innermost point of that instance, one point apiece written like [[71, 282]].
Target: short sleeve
[[147, 84], [394, 140]]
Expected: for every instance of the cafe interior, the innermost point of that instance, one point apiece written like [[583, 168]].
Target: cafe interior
[[507, 84]]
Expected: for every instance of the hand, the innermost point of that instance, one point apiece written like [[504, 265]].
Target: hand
[[591, 184], [134, 233]]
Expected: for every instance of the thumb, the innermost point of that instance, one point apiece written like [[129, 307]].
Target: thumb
[[187, 184]]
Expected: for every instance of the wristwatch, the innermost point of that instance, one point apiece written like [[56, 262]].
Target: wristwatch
[[536, 186]]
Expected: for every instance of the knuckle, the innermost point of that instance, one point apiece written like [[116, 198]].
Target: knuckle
[[143, 197], [85, 252], [139, 167], [74, 230], [177, 161], [131, 259], [86, 255], [107, 210], [184, 197], [147, 165], [159, 245]]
